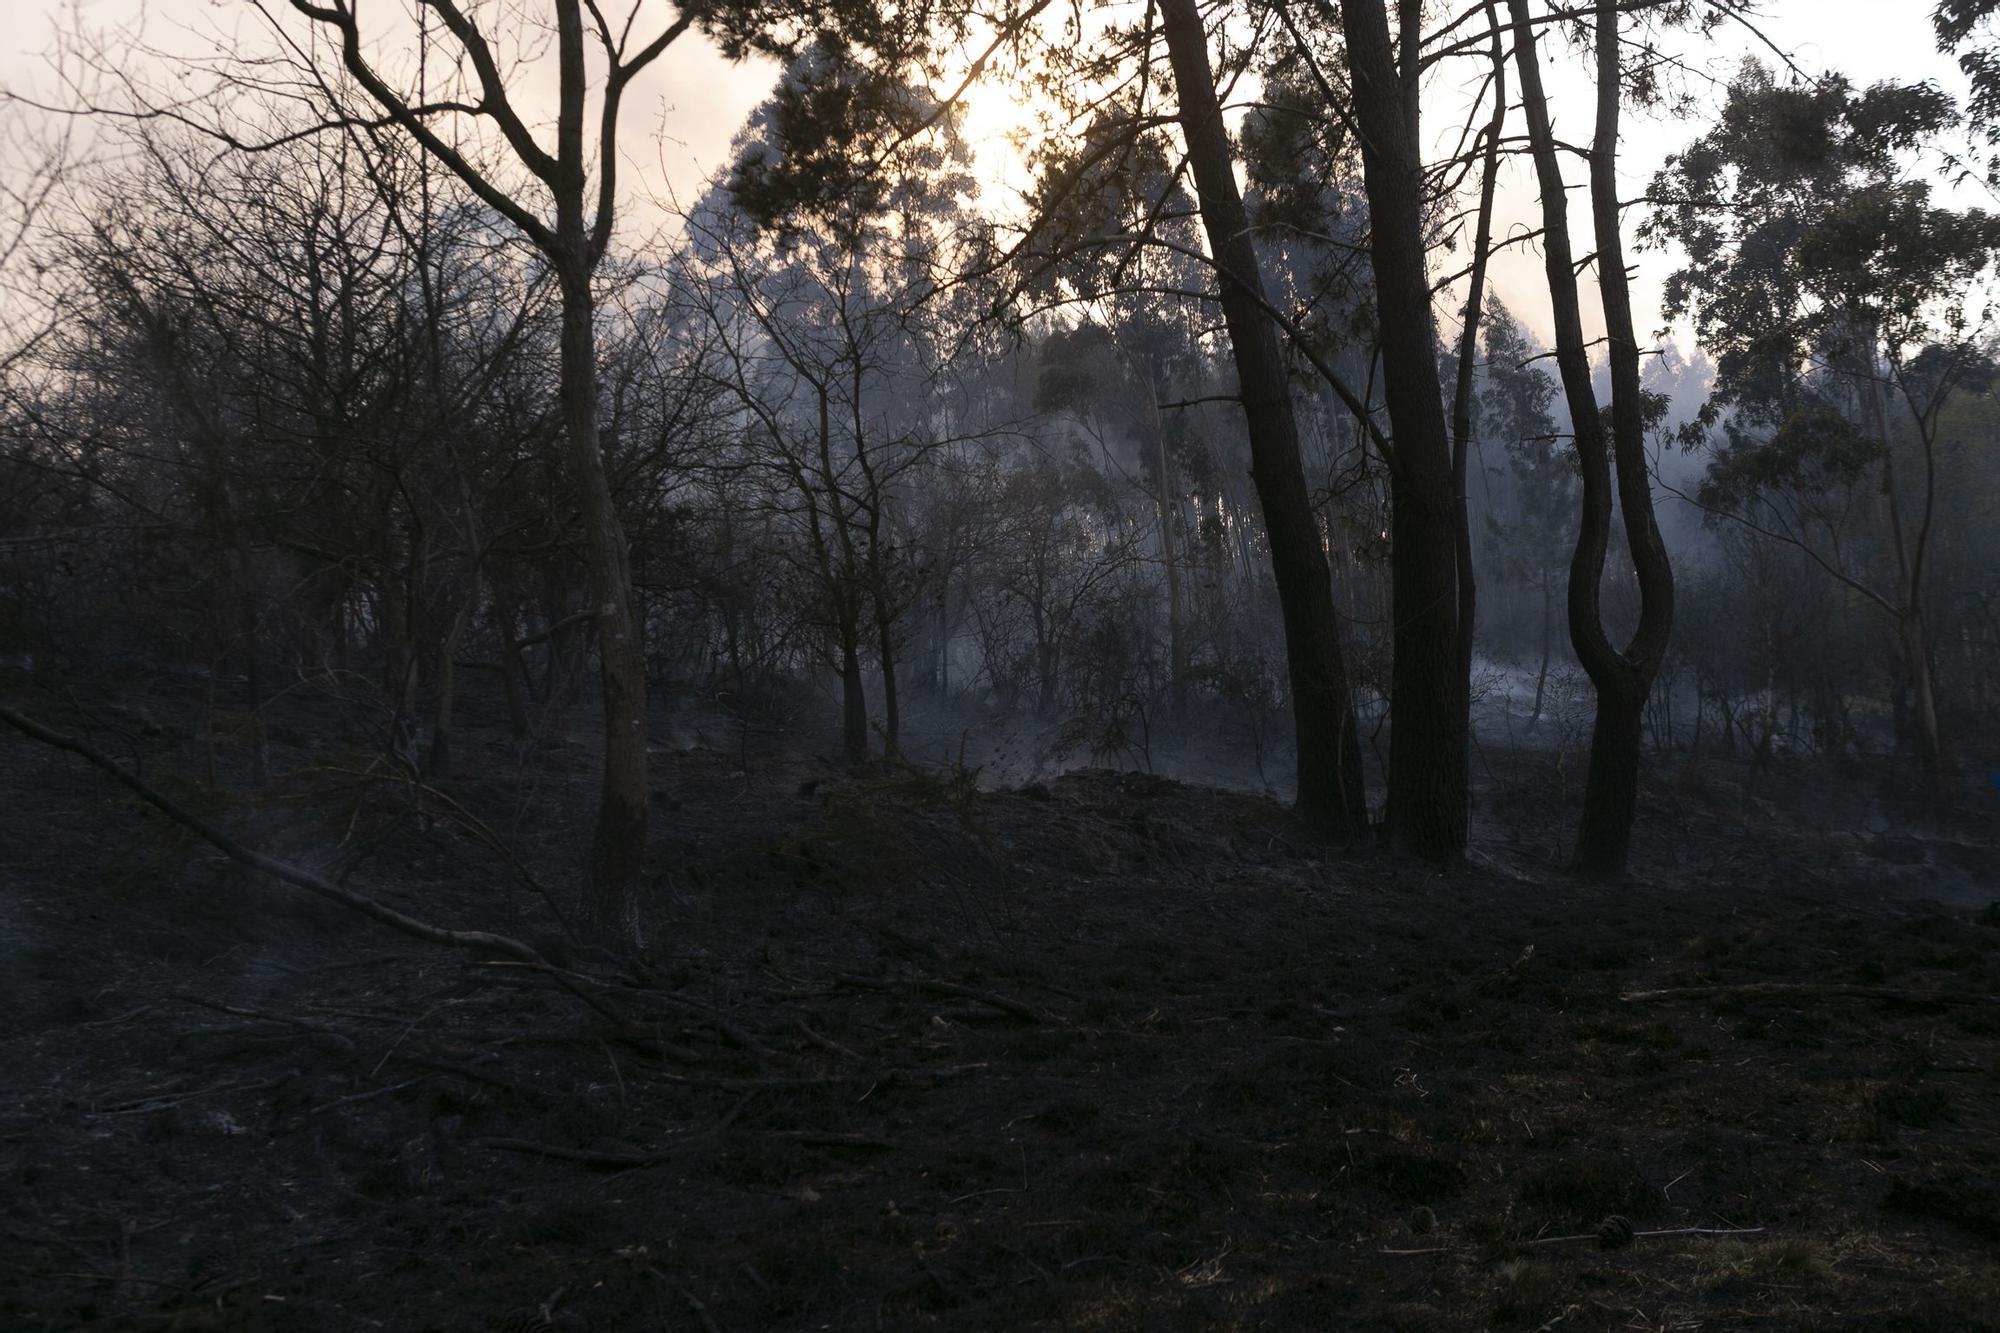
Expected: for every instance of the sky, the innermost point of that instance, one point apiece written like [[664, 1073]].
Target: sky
[[681, 117]]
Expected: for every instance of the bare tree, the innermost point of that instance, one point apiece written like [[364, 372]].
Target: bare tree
[[570, 221]]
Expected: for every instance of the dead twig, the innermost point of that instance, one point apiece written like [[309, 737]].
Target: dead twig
[[821, 1139], [1594, 1237], [688, 1299], [1812, 991], [367, 1096], [162, 1101], [936, 987], [610, 1161], [287, 1020], [826, 1044]]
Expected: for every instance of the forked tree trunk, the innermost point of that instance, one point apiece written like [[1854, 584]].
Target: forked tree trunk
[[1428, 772], [1329, 751], [1622, 679]]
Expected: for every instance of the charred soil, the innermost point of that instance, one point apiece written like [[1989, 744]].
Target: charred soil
[[1107, 1053]]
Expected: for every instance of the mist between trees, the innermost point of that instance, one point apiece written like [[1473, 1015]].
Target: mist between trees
[[336, 375]]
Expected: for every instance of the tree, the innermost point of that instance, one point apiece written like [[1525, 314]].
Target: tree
[[1428, 758], [571, 223], [1329, 754], [1837, 300], [840, 341], [1623, 677]]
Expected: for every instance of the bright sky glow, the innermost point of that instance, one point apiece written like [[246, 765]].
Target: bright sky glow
[[683, 114]]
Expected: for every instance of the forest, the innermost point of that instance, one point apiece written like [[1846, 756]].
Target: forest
[[1242, 664]]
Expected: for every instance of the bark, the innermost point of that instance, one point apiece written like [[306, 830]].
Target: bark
[[892, 720], [447, 690], [1461, 403], [573, 245], [617, 856], [1923, 702], [1329, 752], [853, 701], [1542, 675], [513, 674], [253, 663], [1911, 641], [1622, 679], [1428, 773], [1177, 648]]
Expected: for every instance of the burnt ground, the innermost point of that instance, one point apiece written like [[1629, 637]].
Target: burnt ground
[[1110, 1053]]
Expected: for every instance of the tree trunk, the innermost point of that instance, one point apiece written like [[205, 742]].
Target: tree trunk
[[447, 688], [1542, 676], [892, 721], [1611, 788], [617, 858], [1163, 500], [1622, 679], [1921, 714], [1428, 772], [853, 701], [253, 665], [1923, 705], [1329, 752], [1468, 347], [513, 674]]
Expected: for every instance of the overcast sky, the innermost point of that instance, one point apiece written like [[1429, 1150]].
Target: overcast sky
[[681, 118]]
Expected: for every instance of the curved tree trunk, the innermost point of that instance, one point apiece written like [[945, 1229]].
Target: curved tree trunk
[[1622, 679], [1461, 401], [1329, 751]]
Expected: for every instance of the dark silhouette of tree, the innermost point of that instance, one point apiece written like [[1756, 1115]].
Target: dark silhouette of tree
[[1836, 300], [1329, 756], [1428, 756], [1623, 677]]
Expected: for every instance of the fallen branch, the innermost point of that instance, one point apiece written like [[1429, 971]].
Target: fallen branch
[[825, 1043], [1597, 1237], [608, 1161], [936, 987], [345, 1041], [305, 879], [815, 1138], [1808, 990]]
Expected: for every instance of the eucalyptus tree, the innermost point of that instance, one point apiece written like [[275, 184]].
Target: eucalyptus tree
[[1844, 309], [1330, 786], [1428, 772], [841, 341], [1611, 456]]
